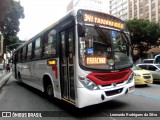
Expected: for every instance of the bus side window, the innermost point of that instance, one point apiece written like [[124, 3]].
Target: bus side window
[[19, 55], [24, 54], [53, 42], [49, 44], [37, 49], [45, 45], [29, 51]]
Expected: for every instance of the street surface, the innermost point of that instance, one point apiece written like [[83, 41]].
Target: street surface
[[16, 97]]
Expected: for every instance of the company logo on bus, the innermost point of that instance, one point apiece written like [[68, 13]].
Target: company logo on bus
[[114, 84], [104, 21]]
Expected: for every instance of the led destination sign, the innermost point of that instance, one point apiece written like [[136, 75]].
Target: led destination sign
[[92, 18], [96, 60]]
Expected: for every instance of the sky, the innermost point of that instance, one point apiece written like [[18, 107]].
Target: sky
[[39, 14]]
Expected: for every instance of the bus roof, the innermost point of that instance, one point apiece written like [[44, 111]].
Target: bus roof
[[70, 13], [48, 28]]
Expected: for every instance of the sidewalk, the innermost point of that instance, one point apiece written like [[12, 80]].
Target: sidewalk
[[4, 78]]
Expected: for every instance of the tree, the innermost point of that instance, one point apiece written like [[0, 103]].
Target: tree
[[9, 22], [13, 42], [145, 35], [4, 9]]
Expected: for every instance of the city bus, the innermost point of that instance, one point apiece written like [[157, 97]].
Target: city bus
[[83, 59]]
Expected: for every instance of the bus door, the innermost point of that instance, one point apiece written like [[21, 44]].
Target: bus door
[[67, 65]]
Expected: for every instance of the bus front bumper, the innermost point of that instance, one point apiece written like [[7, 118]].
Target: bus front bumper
[[90, 97]]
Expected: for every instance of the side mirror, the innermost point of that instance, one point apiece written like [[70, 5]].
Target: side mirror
[[81, 30]]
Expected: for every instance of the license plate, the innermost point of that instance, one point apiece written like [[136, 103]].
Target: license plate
[[148, 81]]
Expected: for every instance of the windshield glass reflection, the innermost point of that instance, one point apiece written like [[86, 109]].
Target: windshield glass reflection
[[104, 49]]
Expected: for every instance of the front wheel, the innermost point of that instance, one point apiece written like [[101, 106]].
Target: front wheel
[[49, 90]]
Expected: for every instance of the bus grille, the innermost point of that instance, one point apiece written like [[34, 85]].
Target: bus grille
[[111, 76], [113, 92], [108, 78]]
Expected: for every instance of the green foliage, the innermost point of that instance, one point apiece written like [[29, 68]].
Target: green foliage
[[10, 13], [144, 36], [12, 43], [4, 9]]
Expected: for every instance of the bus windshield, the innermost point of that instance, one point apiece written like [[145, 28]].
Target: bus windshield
[[104, 49]]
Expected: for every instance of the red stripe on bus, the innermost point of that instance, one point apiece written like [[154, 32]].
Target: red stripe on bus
[[54, 68], [109, 77]]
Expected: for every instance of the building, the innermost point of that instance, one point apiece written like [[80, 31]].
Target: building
[[98, 5], [145, 9], [140, 9], [119, 8]]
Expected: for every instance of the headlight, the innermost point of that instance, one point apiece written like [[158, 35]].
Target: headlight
[[130, 79], [137, 74], [88, 83]]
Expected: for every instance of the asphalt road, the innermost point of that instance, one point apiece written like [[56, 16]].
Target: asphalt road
[[16, 97]]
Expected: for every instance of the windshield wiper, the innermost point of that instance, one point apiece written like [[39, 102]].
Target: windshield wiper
[[105, 38], [102, 35]]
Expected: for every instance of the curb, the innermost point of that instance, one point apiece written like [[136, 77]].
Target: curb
[[4, 79]]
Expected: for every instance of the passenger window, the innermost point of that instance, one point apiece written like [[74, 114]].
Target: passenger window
[[19, 56], [24, 54], [37, 49], [49, 44], [29, 52]]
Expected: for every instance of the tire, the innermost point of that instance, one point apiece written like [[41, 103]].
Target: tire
[[49, 91]]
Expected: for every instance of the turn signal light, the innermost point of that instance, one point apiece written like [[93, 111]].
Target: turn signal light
[[52, 62]]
